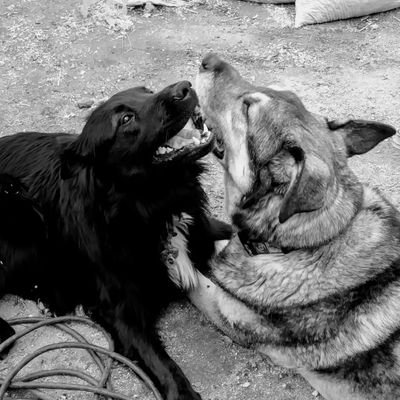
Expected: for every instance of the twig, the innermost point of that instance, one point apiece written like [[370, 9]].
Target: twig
[[174, 3], [366, 26], [192, 11], [270, 1]]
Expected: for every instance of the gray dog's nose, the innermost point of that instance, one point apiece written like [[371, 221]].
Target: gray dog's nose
[[210, 62], [181, 90]]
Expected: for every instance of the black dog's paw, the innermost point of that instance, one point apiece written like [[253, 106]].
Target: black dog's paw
[[180, 388], [188, 395], [6, 331], [219, 230]]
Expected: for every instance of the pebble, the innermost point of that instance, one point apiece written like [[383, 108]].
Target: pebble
[[149, 7], [245, 385], [85, 103], [227, 340], [315, 393]]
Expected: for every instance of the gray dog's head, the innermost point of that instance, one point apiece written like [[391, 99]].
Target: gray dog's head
[[286, 170]]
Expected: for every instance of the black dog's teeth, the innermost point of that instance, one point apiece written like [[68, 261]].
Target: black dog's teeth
[[164, 150]]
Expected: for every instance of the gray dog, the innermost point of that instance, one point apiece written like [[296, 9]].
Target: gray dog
[[324, 297]]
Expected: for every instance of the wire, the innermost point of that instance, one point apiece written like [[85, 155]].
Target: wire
[[101, 387]]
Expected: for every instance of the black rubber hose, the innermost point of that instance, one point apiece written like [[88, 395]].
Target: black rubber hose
[[68, 386], [63, 372], [93, 386], [71, 345], [104, 367]]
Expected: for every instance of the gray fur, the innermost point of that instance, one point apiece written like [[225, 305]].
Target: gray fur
[[329, 303]]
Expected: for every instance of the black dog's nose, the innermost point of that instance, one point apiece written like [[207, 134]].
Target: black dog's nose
[[181, 90], [210, 62]]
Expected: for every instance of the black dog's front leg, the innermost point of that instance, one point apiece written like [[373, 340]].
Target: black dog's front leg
[[166, 374], [133, 330], [203, 234], [219, 230]]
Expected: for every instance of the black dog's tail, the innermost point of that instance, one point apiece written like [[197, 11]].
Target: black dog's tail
[[22, 235]]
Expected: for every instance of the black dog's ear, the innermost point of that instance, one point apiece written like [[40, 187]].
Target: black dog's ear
[[361, 136], [90, 145], [308, 185]]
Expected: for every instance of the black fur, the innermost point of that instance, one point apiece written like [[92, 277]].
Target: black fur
[[106, 207]]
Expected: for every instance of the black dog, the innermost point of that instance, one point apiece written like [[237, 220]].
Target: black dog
[[109, 197]]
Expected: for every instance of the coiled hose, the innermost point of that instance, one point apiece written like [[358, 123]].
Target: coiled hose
[[101, 387]]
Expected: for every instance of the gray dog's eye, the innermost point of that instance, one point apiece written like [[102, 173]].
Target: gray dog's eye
[[126, 118]]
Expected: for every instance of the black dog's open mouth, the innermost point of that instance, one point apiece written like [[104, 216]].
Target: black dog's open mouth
[[194, 141]]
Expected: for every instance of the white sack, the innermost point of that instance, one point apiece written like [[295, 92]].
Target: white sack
[[316, 11]]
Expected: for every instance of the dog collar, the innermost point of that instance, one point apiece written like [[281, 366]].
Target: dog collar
[[254, 247]]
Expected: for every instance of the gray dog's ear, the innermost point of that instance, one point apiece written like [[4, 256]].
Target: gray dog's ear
[[361, 136], [308, 185], [90, 145]]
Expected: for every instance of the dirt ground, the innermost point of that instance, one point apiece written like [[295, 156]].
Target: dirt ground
[[52, 58]]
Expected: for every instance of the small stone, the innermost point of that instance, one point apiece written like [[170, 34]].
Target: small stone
[[85, 103], [227, 340], [149, 7], [315, 393], [245, 385]]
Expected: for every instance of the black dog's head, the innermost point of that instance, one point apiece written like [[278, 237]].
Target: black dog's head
[[138, 129]]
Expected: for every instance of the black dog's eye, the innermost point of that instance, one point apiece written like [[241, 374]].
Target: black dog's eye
[[126, 118]]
